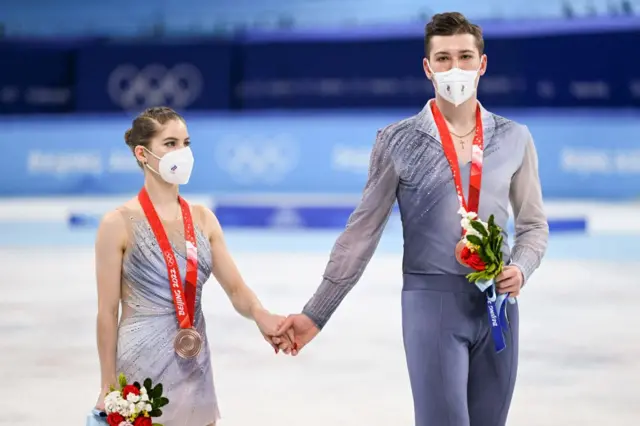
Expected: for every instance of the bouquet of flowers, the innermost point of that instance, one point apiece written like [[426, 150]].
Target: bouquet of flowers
[[133, 404], [481, 247], [481, 250]]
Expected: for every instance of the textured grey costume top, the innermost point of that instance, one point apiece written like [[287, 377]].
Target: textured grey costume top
[[148, 324], [408, 165]]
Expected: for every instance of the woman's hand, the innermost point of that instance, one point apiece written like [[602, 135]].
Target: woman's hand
[[268, 325]]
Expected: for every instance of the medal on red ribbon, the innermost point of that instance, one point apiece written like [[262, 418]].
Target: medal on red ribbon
[[475, 179], [496, 304], [188, 342]]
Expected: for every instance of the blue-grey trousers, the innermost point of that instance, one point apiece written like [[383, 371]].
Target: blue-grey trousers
[[457, 378]]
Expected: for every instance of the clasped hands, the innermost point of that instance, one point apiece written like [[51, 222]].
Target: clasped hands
[[287, 334]]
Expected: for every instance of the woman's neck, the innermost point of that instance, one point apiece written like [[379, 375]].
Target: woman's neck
[[163, 195]]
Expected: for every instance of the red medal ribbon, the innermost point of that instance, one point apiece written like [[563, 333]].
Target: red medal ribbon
[[184, 299], [475, 179]]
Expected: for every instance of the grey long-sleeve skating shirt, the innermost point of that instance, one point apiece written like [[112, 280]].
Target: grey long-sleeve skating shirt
[[408, 165]]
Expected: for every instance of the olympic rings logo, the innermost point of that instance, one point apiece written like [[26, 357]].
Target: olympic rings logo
[[258, 159], [132, 88]]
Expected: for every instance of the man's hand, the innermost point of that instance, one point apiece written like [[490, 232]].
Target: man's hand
[[303, 329], [268, 324], [510, 281]]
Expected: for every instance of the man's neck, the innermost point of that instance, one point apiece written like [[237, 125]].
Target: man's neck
[[459, 117]]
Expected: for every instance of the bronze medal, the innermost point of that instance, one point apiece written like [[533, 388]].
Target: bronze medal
[[188, 343]]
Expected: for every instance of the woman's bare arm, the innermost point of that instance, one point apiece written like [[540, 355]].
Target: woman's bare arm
[[109, 251]]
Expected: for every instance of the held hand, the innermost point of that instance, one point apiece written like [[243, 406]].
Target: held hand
[[268, 325], [304, 330], [100, 401], [510, 281]]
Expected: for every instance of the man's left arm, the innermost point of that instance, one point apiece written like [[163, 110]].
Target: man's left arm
[[532, 229]]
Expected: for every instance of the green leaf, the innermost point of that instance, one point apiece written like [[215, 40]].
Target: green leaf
[[157, 391], [155, 412], [497, 244], [483, 255], [474, 239], [491, 268], [122, 380], [489, 252], [478, 227], [147, 385], [475, 276], [491, 222], [157, 424], [162, 401], [136, 384]]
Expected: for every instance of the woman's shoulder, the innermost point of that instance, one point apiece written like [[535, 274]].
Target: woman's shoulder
[[112, 229], [206, 218], [116, 221]]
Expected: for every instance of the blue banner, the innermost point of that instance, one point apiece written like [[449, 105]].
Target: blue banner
[[523, 70], [134, 76], [315, 71], [36, 77], [323, 157]]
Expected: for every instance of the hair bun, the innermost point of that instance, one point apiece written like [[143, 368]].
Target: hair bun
[[127, 135]]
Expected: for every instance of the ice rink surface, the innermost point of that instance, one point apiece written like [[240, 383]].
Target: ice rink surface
[[580, 335]]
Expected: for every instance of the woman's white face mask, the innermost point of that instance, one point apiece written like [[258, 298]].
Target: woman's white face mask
[[456, 85], [174, 167]]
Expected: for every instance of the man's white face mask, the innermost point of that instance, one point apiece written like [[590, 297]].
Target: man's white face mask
[[456, 85], [175, 166]]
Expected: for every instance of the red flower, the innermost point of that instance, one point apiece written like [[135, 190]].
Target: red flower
[[130, 389], [114, 419], [143, 421], [471, 259]]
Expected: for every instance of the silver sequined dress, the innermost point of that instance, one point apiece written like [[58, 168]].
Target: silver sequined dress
[[148, 324]]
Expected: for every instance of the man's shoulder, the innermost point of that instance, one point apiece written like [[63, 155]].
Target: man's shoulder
[[396, 131], [508, 125]]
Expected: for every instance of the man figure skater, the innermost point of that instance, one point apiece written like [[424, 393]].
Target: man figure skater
[[429, 163]]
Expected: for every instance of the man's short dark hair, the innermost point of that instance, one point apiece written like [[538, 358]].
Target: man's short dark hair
[[448, 24]]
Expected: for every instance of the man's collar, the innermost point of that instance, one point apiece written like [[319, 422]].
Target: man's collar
[[426, 123]]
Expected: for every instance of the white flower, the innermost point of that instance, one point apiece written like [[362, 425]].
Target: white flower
[[113, 402], [123, 407], [148, 408], [133, 397], [144, 397], [125, 423], [141, 406], [465, 214]]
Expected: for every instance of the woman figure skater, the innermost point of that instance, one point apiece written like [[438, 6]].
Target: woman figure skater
[[153, 255]]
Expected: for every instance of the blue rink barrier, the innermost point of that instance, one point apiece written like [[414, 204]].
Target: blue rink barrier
[[305, 218]]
